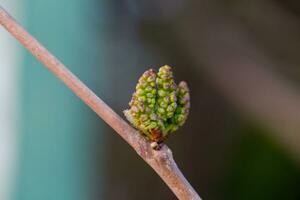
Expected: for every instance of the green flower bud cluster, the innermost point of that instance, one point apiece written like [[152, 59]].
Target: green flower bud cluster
[[158, 107], [166, 93], [183, 107]]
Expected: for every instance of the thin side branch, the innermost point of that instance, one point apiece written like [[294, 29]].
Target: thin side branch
[[161, 161]]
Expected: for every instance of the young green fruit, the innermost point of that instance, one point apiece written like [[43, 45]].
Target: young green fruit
[[158, 106]]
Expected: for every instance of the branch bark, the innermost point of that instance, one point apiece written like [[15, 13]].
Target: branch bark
[[161, 161]]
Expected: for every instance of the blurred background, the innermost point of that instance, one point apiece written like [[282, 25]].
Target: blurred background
[[240, 59]]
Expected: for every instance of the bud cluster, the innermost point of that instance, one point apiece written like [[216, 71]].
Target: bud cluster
[[166, 93], [158, 107], [183, 107]]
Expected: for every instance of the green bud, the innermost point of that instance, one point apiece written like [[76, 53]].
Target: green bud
[[159, 81], [152, 125], [143, 117], [163, 104], [140, 92], [147, 109], [148, 89], [161, 93], [142, 98], [170, 108], [149, 95], [183, 107], [147, 123], [151, 79], [153, 116], [173, 97], [134, 109], [166, 86], [161, 110], [166, 99], [159, 106], [170, 114]]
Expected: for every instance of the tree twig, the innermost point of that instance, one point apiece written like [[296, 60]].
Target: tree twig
[[161, 161]]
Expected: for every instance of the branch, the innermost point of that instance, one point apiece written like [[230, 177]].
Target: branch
[[161, 161]]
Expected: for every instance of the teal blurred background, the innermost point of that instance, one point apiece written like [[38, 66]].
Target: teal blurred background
[[240, 59]]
